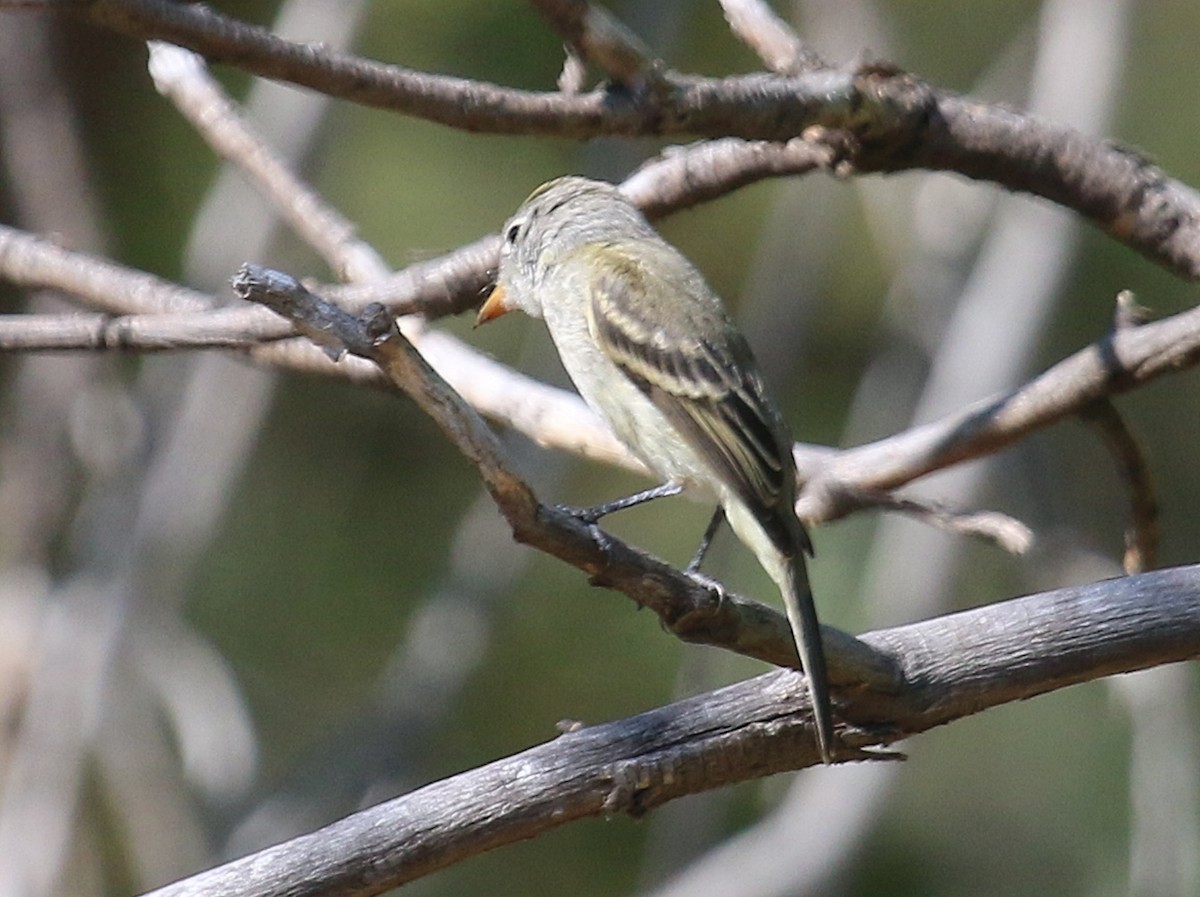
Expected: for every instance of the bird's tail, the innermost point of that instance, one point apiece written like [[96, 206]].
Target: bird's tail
[[780, 550], [806, 630]]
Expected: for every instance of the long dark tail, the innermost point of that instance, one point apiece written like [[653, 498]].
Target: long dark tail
[[806, 630]]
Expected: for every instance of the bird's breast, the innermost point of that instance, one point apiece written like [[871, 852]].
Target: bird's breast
[[634, 419]]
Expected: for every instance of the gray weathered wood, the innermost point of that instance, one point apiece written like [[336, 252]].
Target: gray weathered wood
[[953, 666]]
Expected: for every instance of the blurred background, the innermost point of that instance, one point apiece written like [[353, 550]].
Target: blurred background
[[235, 605]]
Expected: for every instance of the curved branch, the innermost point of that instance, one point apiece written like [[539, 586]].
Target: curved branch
[[954, 666], [1122, 192], [452, 101], [1142, 535], [888, 120]]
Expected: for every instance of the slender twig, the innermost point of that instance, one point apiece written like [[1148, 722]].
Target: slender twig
[[183, 77], [572, 78], [757, 26], [596, 36], [954, 666], [684, 176], [1007, 532], [1142, 535], [218, 329]]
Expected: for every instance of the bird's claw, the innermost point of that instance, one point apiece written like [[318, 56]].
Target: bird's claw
[[589, 517], [713, 585]]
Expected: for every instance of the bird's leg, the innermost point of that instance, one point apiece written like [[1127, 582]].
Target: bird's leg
[[590, 516], [593, 514], [693, 567], [710, 532]]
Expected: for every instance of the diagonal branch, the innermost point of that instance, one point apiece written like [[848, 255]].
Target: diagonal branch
[[777, 45], [954, 666], [1114, 364], [183, 77], [689, 607], [596, 36], [30, 261]]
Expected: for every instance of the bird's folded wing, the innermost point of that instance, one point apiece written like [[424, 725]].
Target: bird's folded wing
[[698, 370]]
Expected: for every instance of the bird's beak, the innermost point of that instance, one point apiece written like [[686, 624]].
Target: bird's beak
[[493, 307]]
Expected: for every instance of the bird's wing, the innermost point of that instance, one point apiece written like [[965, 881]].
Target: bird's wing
[[697, 369]]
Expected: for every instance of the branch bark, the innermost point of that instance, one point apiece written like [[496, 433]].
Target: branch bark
[[1112, 365], [688, 606], [953, 666], [884, 120], [837, 482]]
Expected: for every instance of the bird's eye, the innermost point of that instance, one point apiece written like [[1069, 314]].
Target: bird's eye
[[512, 233]]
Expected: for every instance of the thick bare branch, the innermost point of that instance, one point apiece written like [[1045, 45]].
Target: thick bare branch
[[954, 666], [457, 102], [753, 106], [894, 120], [1120, 191]]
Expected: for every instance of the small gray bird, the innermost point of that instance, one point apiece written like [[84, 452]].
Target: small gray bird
[[651, 348]]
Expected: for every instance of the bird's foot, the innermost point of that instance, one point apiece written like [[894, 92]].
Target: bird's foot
[[589, 517], [713, 585]]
